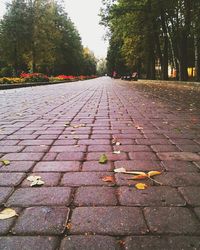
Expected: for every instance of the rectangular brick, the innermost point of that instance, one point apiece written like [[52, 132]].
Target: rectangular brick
[[102, 220], [18, 166], [70, 156], [11, 149], [23, 156], [11, 179], [57, 166], [76, 148], [40, 196]]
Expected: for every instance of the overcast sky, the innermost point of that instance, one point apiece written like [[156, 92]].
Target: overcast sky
[[84, 14]]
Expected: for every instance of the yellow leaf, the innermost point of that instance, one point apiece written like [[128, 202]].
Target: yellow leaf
[[141, 186], [5, 162], [103, 159], [136, 172], [153, 173], [7, 213]]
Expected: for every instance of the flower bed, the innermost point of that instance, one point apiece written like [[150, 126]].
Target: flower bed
[[39, 77]]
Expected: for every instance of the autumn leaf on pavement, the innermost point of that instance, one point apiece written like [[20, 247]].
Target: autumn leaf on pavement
[[139, 177], [103, 159], [108, 179], [5, 162], [153, 173], [116, 152], [141, 186], [136, 173], [35, 181], [120, 170], [7, 213]]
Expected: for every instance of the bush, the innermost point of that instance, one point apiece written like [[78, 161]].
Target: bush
[[9, 80], [34, 77]]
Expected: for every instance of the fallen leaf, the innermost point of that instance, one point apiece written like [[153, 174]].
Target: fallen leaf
[[136, 172], [118, 143], [141, 186], [79, 126], [5, 162], [7, 213], [108, 179], [35, 181], [139, 177], [103, 159], [117, 152], [120, 170], [68, 226], [153, 173]]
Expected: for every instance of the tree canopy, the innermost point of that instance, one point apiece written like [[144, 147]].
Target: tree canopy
[[38, 36], [150, 35]]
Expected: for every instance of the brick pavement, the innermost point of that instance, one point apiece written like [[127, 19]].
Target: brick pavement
[[59, 132]]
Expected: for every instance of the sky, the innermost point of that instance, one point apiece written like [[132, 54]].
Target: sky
[[84, 14]]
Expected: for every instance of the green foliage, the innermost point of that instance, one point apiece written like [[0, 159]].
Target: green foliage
[[143, 32], [38, 36]]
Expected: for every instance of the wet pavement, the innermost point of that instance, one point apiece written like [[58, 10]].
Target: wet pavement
[[59, 132]]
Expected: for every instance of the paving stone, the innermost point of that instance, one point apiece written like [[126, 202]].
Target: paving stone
[[90, 166], [50, 156], [191, 195], [175, 220], [99, 148], [149, 156], [50, 179], [28, 242], [64, 142], [160, 242], [9, 142], [11, 149], [89, 242], [57, 166], [138, 165], [179, 179], [22, 137], [102, 220], [40, 196], [70, 156], [23, 156], [11, 179], [180, 166], [111, 157], [42, 220], [94, 142], [5, 193], [36, 142], [179, 156], [190, 148], [76, 148], [164, 148], [152, 196], [18, 166], [95, 196], [133, 148], [36, 149], [85, 179], [153, 142]]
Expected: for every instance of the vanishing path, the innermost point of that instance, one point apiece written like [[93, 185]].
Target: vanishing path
[[59, 132]]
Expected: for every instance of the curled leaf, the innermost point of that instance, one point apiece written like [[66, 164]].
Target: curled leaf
[[139, 177], [7, 213], [153, 173], [103, 159], [108, 179], [141, 186], [136, 173]]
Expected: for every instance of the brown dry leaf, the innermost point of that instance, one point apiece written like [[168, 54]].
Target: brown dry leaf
[[153, 173], [108, 179], [68, 226], [139, 177], [7, 213], [141, 186]]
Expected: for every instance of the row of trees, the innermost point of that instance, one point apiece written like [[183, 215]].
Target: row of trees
[[149, 34], [38, 36]]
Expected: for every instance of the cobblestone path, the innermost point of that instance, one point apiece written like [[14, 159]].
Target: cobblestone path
[[59, 132]]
